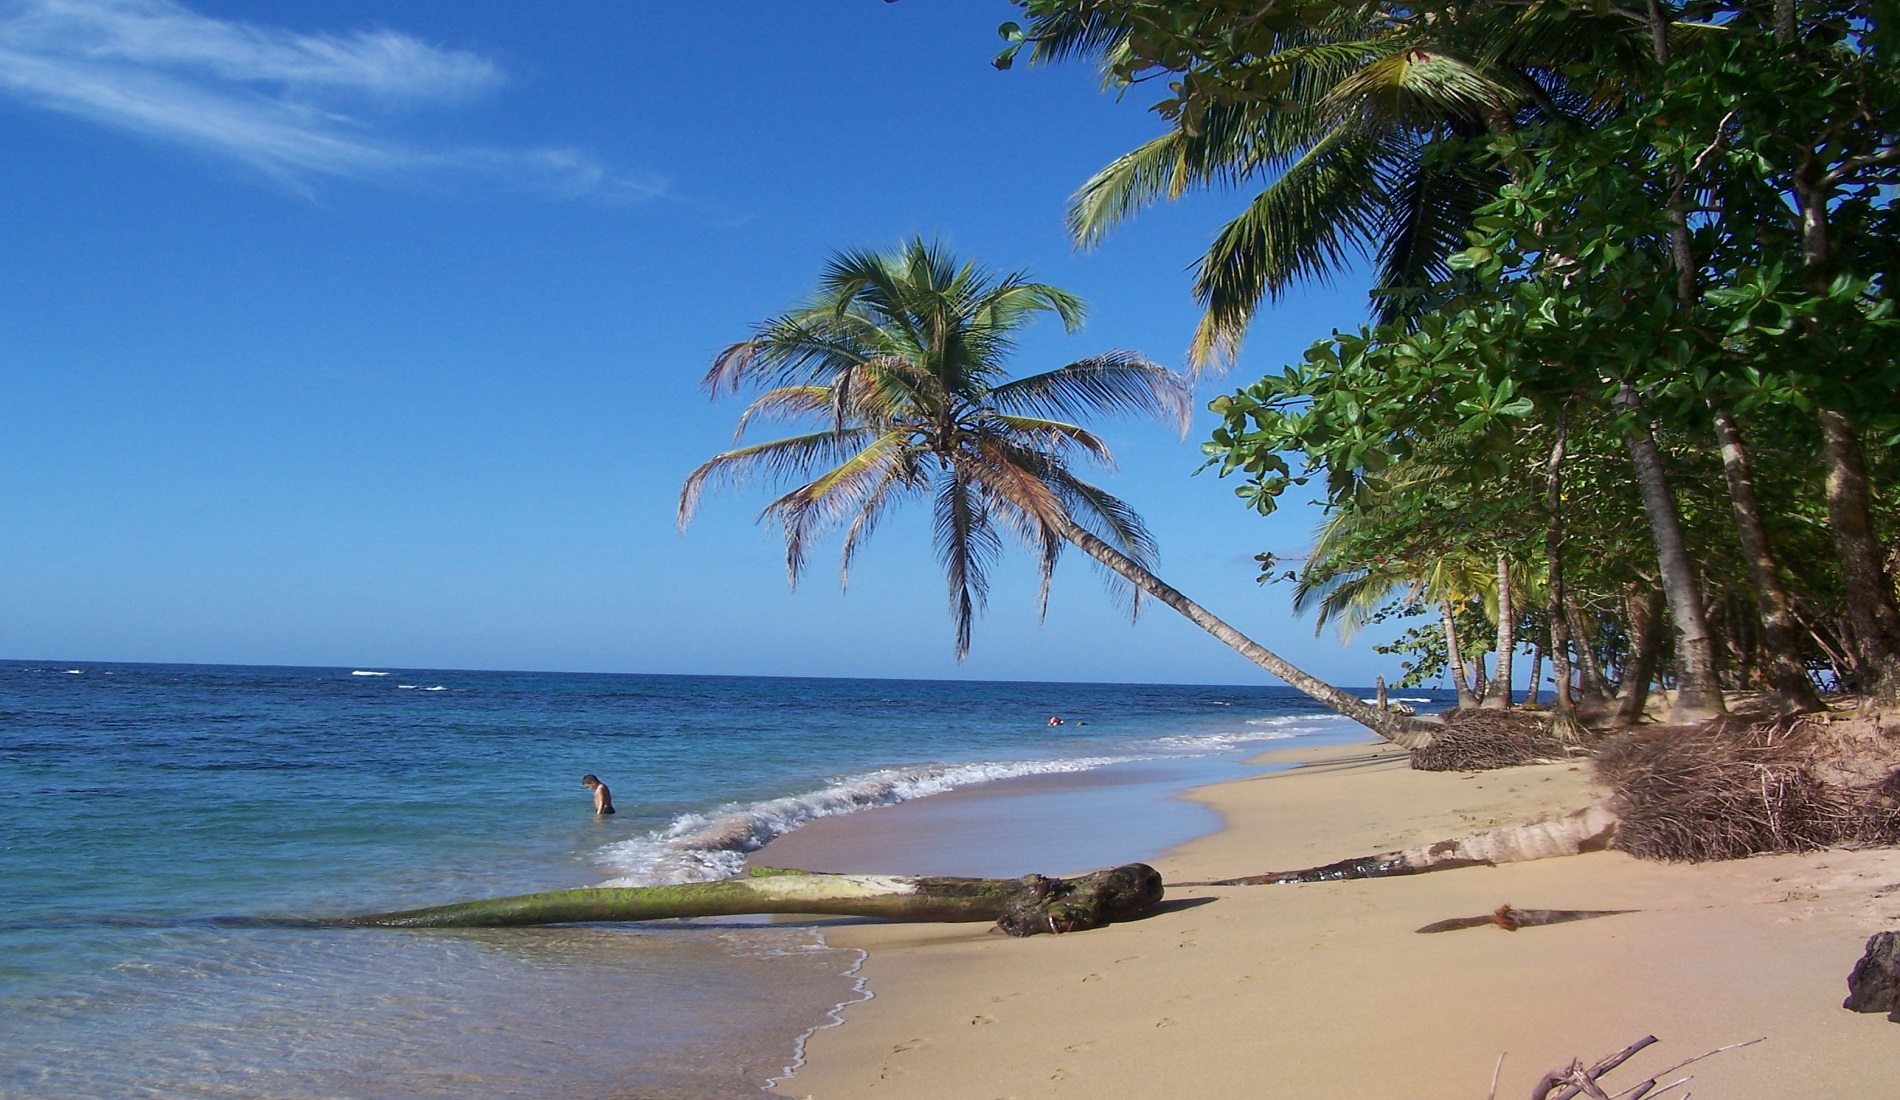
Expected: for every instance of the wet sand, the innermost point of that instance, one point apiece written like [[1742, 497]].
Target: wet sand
[[1326, 990]]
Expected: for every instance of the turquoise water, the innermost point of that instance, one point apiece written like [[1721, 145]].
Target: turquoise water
[[150, 815]]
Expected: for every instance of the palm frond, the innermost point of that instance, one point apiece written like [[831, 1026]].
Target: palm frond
[[1422, 87], [1121, 382], [823, 502], [966, 546], [776, 461], [1301, 228], [1056, 437]]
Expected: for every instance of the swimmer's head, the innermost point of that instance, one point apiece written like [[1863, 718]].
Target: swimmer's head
[[590, 780]]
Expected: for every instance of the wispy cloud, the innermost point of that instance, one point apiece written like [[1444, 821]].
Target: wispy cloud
[[291, 106]]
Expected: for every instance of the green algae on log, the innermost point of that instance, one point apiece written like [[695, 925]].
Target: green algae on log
[[1019, 906]]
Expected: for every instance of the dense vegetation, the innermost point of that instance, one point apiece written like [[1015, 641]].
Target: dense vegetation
[[1630, 390]]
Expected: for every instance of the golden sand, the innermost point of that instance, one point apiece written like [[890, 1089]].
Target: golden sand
[[1326, 990]]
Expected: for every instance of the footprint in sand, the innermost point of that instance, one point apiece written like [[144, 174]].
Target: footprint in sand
[[976, 1021], [1164, 1022], [1076, 1048], [1061, 1075], [911, 1045]]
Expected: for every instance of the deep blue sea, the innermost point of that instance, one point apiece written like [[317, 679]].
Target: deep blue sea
[[151, 814]]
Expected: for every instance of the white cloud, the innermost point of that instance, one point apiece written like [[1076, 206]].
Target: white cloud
[[289, 105]]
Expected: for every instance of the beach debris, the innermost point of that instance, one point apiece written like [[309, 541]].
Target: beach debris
[[1589, 829], [1732, 788], [1511, 919], [1874, 984], [1481, 740], [1020, 906], [1577, 1080]]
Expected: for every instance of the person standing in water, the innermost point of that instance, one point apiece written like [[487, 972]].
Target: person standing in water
[[603, 798]]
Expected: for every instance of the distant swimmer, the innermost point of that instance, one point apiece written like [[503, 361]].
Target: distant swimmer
[[603, 798], [1054, 721]]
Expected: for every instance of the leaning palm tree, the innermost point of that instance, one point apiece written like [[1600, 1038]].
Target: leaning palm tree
[[899, 358]]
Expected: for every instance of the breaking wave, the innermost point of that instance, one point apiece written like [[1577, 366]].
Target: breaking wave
[[705, 847]]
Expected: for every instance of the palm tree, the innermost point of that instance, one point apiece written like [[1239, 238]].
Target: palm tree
[[1365, 127], [900, 356]]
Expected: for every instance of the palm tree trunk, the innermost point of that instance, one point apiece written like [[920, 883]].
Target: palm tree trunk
[[1564, 709], [1020, 906], [1699, 691], [1786, 672], [1595, 683], [1533, 691], [1499, 694], [1406, 732], [1645, 629], [1589, 829], [1870, 603], [1455, 656]]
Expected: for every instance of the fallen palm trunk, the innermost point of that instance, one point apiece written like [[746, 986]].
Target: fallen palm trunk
[[1020, 906], [1587, 830]]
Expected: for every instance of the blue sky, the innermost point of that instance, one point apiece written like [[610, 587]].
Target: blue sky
[[369, 333]]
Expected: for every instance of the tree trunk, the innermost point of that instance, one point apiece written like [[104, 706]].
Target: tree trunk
[[1870, 603], [1564, 710], [1699, 692], [1787, 673], [1402, 730], [1021, 907], [1645, 629], [1589, 829], [1533, 691], [1595, 682], [1499, 694], [1466, 700]]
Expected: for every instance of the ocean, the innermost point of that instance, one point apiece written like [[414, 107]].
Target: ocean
[[170, 833]]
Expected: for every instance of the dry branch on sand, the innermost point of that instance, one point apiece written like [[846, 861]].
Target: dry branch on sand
[[1576, 1079], [1510, 918]]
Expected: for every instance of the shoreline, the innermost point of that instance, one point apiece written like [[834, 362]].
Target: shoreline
[[1327, 990]]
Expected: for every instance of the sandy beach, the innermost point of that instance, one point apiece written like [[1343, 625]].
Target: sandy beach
[[1327, 990]]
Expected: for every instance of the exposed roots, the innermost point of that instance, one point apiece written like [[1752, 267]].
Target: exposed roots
[[1478, 740], [1732, 788]]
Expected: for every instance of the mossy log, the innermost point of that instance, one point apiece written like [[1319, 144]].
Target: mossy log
[[1019, 906]]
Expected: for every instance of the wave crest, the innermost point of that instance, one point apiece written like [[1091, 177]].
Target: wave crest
[[705, 847]]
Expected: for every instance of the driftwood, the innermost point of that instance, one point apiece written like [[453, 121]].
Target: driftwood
[[1510, 919], [1589, 829], [1874, 985], [1577, 1080], [1020, 906]]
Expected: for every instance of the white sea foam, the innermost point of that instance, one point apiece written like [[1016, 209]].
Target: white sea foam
[[437, 687], [367, 672], [406, 687], [710, 846], [861, 992], [705, 847]]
